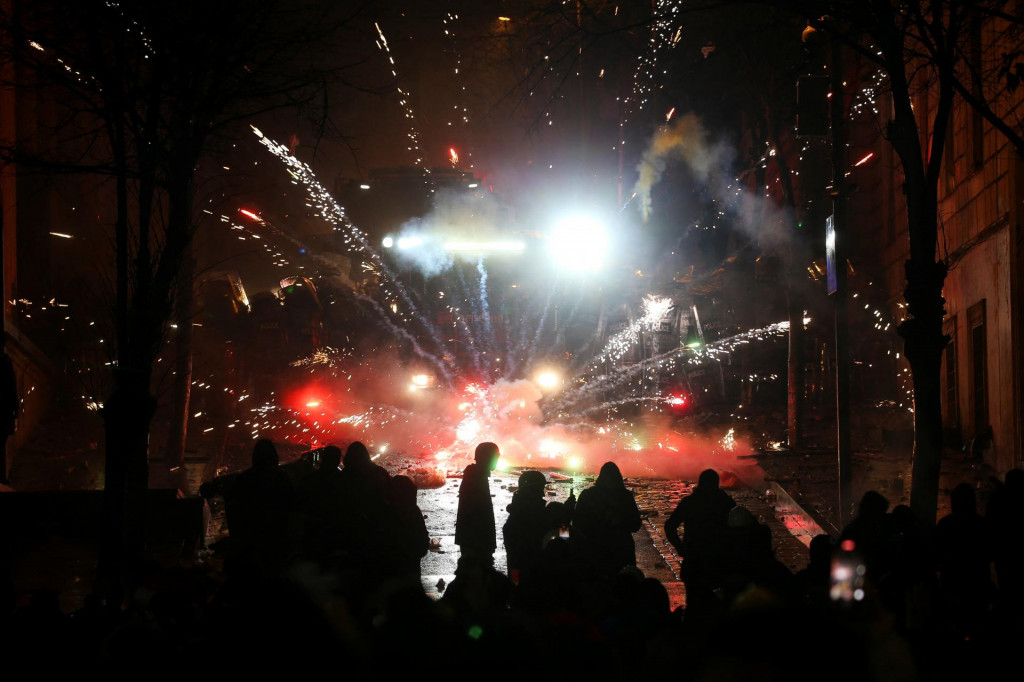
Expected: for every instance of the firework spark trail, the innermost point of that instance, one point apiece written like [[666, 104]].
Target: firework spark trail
[[326, 265], [471, 340], [413, 134], [332, 212], [513, 354], [616, 403], [399, 331], [485, 309], [710, 353], [644, 83], [540, 327], [473, 337], [476, 305], [618, 345]]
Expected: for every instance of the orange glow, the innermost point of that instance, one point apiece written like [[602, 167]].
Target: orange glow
[[249, 214]]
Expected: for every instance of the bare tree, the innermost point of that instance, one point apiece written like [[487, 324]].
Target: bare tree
[[149, 88]]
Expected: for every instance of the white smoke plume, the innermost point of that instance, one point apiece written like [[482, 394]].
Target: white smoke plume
[[712, 163]]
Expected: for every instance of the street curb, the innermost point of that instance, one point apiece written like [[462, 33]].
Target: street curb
[[801, 524]]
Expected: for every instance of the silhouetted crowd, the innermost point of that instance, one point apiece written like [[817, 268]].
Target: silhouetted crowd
[[323, 572]]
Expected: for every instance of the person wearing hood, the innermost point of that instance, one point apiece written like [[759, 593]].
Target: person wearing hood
[[605, 518], [528, 521], [703, 514], [474, 521]]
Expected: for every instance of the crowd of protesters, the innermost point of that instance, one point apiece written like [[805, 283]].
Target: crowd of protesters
[[326, 572]]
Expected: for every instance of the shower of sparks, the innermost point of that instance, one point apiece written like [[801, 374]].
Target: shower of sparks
[[396, 297], [404, 100], [654, 309]]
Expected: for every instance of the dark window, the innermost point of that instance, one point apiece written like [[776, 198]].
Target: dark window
[[979, 368], [951, 411]]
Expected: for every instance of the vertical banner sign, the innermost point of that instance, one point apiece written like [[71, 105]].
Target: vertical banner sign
[[830, 254]]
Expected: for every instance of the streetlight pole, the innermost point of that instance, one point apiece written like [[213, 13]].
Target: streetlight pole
[[840, 231]]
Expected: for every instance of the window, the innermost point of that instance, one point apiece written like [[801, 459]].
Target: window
[[951, 407], [979, 368]]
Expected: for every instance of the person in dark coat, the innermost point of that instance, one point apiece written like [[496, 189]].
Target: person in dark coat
[[605, 518], [259, 508], [364, 490], [703, 514], [528, 521], [321, 503], [963, 553], [748, 559], [874, 535], [474, 522], [405, 532], [1005, 513]]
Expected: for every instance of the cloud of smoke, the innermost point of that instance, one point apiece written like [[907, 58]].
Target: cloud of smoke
[[712, 163], [455, 216]]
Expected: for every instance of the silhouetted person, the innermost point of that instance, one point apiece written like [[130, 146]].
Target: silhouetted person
[[963, 555], [703, 515], [747, 558], [477, 589], [364, 490], [873, 534], [474, 523], [912, 567], [1005, 514], [812, 582], [259, 507], [9, 407], [405, 532], [528, 521], [321, 501], [603, 523]]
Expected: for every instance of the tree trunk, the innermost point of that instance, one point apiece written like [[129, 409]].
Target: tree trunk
[[924, 344], [127, 415]]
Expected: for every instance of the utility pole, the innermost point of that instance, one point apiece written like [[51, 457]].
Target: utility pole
[[839, 235]]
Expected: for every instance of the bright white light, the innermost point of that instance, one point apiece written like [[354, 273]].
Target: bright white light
[[421, 379], [579, 244], [388, 242], [364, 187], [547, 380], [409, 242], [473, 185], [485, 247]]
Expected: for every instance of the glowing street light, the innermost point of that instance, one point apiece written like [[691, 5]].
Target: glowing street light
[[579, 243]]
